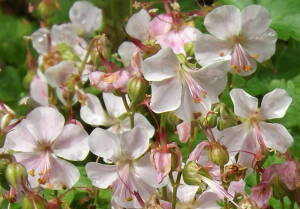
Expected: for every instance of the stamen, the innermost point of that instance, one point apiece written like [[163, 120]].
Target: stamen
[[197, 92], [44, 172], [240, 59]]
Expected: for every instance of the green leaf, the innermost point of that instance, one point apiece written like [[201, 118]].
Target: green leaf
[[10, 84]]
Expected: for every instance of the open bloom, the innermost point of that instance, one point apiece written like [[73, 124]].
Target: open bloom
[[244, 36], [254, 134], [40, 140], [132, 177], [176, 87]]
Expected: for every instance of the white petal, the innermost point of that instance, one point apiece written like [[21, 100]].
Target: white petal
[[72, 143], [104, 144], [276, 136], [208, 48], [224, 22], [262, 46], [45, 123], [166, 95], [208, 200], [137, 26], [20, 139], [63, 33], [255, 20], [126, 51], [85, 16], [58, 75], [163, 65], [186, 193], [135, 142], [39, 89], [145, 170], [188, 107], [141, 122], [93, 113], [275, 104], [244, 103], [40, 40], [114, 105], [102, 176]]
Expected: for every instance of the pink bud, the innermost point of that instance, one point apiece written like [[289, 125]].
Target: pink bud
[[289, 174], [184, 131], [162, 163]]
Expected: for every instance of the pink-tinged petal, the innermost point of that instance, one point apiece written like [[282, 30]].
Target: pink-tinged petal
[[21, 139], [39, 89], [262, 46], [162, 161], [189, 108], [275, 104], [290, 175], [146, 171], [62, 174], [224, 22], [85, 17], [137, 25], [244, 103], [184, 131], [196, 153], [72, 143], [93, 113], [160, 25], [102, 176], [261, 194], [208, 48], [255, 20], [122, 81], [45, 123], [140, 121], [236, 187], [59, 74], [165, 204], [161, 66], [126, 50], [208, 200], [276, 136], [166, 95], [186, 193], [104, 144], [114, 104], [40, 40], [135, 142]]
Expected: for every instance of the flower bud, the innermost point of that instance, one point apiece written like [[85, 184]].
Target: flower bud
[[15, 174], [3, 164], [209, 121], [47, 8], [218, 154], [33, 201], [67, 52], [137, 88], [224, 123], [192, 173]]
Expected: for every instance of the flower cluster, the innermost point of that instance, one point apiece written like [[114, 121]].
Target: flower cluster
[[129, 108]]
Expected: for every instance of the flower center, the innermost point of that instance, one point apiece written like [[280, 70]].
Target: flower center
[[240, 59]]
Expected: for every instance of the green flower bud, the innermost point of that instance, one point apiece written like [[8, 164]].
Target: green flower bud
[[137, 88], [209, 121], [3, 164], [193, 173], [47, 8], [15, 174], [218, 154], [28, 78], [67, 52], [224, 123], [33, 201]]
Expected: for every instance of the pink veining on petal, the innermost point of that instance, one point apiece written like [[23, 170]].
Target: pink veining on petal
[[198, 93], [240, 60]]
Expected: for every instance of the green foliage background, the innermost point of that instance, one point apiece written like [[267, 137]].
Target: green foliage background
[[282, 71]]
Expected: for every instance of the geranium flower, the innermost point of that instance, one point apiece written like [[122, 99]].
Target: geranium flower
[[176, 87], [254, 133], [244, 36], [132, 177], [40, 140]]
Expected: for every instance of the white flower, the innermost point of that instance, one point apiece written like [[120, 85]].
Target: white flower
[[253, 133], [39, 89], [175, 87], [243, 36], [40, 140], [85, 17], [132, 177]]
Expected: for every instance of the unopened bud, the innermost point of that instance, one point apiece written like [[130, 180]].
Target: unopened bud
[[3, 164], [193, 173], [218, 154], [224, 123], [15, 174], [28, 78], [67, 52], [33, 201], [47, 8], [209, 121], [137, 88]]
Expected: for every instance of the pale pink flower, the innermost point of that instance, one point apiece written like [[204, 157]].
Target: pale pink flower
[[40, 140], [243, 37], [132, 176], [184, 131], [176, 87], [253, 134]]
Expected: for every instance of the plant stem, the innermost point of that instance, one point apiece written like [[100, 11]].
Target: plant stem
[[175, 186], [81, 68], [292, 204], [131, 114], [282, 203]]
